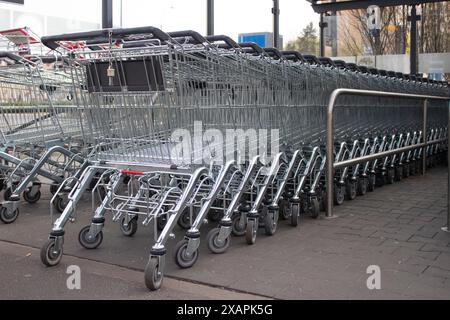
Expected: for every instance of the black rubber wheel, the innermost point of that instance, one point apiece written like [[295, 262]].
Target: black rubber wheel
[[88, 243], [153, 276], [54, 188], [314, 209], [184, 221], [270, 224], [251, 231], [371, 183], [215, 215], [32, 199], [295, 214], [398, 173], [48, 256], [8, 217], [60, 203], [350, 189], [237, 228], [380, 179], [130, 229], [7, 194], [181, 259], [406, 170], [213, 245], [390, 176], [362, 185], [284, 209], [339, 194], [161, 222]]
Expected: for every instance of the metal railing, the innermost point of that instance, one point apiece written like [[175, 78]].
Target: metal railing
[[331, 165]]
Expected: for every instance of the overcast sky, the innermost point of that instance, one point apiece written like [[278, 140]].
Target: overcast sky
[[231, 16]]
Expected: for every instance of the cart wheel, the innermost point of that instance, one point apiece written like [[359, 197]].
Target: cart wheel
[[380, 179], [54, 188], [8, 217], [339, 194], [390, 175], [284, 210], [238, 228], [406, 170], [130, 229], [181, 259], [362, 186], [270, 224], [295, 214], [153, 276], [315, 208], [7, 194], [49, 256], [60, 204], [213, 245], [398, 173], [251, 231], [31, 199], [185, 219], [323, 201], [161, 222], [214, 215], [350, 189], [88, 242], [2, 184], [371, 183]]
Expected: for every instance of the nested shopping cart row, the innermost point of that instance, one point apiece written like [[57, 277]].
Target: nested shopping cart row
[[154, 114]]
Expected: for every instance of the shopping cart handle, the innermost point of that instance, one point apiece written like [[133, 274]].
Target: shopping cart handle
[[199, 39], [227, 40], [274, 52], [327, 62], [52, 41], [340, 64], [311, 59], [251, 45], [12, 56], [293, 55]]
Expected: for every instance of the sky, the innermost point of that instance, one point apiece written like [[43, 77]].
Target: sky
[[231, 16]]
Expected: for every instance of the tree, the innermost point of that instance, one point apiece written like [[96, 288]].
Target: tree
[[307, 42]]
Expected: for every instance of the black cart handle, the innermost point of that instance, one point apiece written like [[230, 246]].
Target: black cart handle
[[274, 52], [253, 46], [189, 33], [14, 57], [227, 40], [52, 41], [293, 55]]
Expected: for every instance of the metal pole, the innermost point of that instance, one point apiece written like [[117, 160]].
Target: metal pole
[[107, 14], [322, 26], [276, 23], [447, 227], [413, 40], [425, 138], [330, 156], [210, 17]]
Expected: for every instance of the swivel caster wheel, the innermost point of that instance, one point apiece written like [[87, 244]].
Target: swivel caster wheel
[[50, 256], [214, 243], [182, 259], [88, 241]]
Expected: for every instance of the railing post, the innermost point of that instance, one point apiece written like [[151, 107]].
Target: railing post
[[447, 227], [425, 137], [330, 156]]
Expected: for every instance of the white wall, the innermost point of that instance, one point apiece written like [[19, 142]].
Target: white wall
[[428, 62]]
